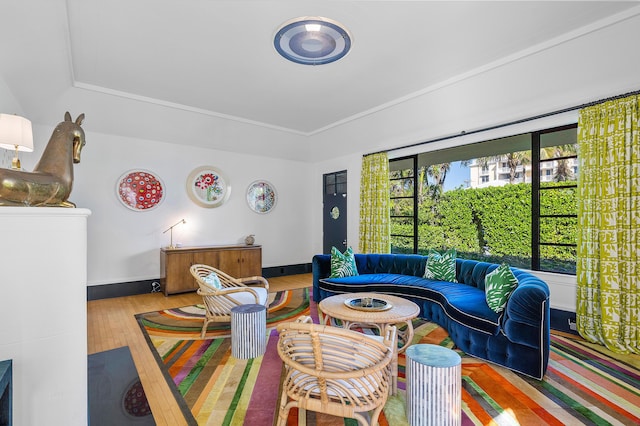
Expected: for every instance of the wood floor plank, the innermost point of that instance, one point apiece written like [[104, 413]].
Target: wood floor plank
[[111, 324]]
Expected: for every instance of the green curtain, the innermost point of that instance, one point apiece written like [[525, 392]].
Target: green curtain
[[374, 204], [608, 263]]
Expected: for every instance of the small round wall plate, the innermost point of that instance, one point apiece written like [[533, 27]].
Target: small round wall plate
[[140, 190], [208, 187], [261, 196]]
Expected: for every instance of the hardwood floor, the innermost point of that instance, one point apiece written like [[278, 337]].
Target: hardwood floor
[[111, 324]]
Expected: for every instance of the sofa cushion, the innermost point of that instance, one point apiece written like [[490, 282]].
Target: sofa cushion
[[461, 303], [343, 264], [441, 266], [499, 285]]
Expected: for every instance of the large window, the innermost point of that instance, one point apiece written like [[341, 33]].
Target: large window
[[402, 180], [506, 200]]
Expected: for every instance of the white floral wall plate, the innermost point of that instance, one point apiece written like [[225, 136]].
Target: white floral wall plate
[[261, 196], [208, 187], [140, 190]]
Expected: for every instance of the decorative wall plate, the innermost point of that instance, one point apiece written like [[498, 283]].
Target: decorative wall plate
[[261, 196], [140, 190], [207, 187]]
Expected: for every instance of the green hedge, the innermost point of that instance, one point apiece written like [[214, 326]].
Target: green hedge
[[494, 224]]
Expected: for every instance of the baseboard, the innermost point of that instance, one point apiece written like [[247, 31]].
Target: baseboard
[[107, 291], [564, 321], [281, 271]]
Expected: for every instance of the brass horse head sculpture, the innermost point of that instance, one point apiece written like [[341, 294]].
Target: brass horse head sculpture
[[50, 183]]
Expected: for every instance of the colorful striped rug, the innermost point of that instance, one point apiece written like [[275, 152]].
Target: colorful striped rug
[[584, 383]]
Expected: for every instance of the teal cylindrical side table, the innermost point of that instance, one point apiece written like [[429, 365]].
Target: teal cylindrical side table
[[434, 382], [248, 331]]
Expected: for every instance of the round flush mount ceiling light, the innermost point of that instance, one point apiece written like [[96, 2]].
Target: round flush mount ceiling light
[[312, 40]]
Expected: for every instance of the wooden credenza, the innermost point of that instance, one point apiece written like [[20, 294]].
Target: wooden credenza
[[236, 260]]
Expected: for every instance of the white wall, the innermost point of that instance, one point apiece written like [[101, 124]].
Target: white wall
[[124, 245], [585, 69], [352, 164]]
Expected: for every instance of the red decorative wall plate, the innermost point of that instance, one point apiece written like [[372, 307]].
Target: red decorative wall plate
[[140, 190]]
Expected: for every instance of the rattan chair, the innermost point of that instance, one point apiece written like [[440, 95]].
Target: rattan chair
[[233, 292], [335, 371]]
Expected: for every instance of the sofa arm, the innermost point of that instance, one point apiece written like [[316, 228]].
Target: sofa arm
[[525, 303], [526, 319], [321, 268]]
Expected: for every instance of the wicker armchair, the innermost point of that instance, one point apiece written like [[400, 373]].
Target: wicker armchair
[[335, 371], [233, 292]]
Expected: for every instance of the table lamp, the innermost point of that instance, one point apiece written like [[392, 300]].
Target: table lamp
[[15, 134], [171, 246]]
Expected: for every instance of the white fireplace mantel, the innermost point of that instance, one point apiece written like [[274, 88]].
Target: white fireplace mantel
[[43, 314]]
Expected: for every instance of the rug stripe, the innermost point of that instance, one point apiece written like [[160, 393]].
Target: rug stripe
[[192, 359], [597, 395], [509, 402], [472, 411], [262, 403], [589, 380], [482, 398], [216, 404], [280, 301], [174, 362], [597, 363], [567, 399], [582, 385], [207, 391], [192, 374], [236, 400]]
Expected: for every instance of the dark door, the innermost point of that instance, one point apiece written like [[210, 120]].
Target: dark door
[[334, 222]]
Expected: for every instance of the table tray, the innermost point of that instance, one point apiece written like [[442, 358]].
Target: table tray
[[376, 304]]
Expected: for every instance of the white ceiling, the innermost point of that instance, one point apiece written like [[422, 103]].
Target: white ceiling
[[216, 58]]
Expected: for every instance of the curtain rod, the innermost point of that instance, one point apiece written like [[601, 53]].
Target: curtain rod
[[510, 123]]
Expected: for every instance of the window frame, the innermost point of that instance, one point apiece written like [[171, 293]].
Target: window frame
[[536, 189], [414, 217]]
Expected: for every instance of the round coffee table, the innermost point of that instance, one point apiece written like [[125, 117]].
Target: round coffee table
[[402, 311]]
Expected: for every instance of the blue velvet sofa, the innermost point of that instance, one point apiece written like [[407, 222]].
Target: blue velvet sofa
[[516, 338]]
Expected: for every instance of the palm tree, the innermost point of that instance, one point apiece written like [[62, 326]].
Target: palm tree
[[562, 172], [438, 172], [516, 159]]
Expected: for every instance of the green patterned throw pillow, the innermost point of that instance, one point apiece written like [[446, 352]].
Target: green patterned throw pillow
[[343, 264], [498, 286], [441, 266]]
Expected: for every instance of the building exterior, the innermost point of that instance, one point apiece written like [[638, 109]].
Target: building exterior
[[496, 172]]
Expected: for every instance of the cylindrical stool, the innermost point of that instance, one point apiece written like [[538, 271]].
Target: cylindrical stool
[[248, 331], [434, 384]]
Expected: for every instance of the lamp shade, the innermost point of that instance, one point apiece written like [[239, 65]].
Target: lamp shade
[[15, 133]]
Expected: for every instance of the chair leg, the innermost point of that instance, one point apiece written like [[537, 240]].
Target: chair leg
[[375, 416], [283, 415], [204, 328]]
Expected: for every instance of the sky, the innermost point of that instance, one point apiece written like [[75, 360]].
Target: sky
[[456, 176]]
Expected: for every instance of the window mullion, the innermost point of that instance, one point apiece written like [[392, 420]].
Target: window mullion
[[415, 203], [535, 201]]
